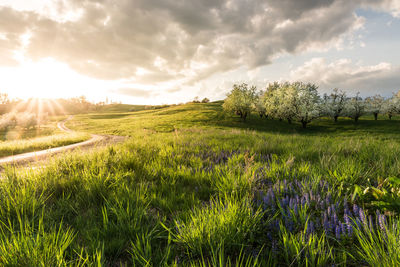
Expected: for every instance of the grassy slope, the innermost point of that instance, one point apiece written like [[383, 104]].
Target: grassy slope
[[47, 136], [183, 190]]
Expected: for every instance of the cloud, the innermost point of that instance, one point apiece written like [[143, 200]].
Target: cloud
[[382, 78], [134, 92], [181, 41]]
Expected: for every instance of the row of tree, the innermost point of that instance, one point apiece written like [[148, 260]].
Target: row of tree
[[301, 102]]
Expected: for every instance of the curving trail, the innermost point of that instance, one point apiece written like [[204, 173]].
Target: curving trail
[[42, 154]]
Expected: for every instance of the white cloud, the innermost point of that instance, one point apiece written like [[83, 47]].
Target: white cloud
[[382, 78]]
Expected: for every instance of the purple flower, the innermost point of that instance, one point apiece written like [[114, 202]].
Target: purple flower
[[382, 222], [355, 209], [362, 217], [342, 228], [337, 231], [327, 226], [371, 223], [335, 219]]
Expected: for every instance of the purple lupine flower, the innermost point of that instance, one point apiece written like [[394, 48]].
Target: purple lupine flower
[[291, 188], [342, 228], [335, 219], [307, 200], [328, 198], [347, 212], [355, 209], [370, 222], [382, 222], [348, 224], [326, 224], [291, 203], [362, 217], [266, 200], [337, 231]]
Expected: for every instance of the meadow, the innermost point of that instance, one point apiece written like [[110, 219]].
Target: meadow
[[21, 140], [194, 186]]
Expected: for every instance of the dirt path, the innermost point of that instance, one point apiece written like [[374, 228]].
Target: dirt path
[[21, 159]]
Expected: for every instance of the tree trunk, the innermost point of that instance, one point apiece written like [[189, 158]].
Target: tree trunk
[[304, 124], [356, 119], [280, 119], [376, 116], [390, 116], [289, 121], [244, 116], [335, 118]]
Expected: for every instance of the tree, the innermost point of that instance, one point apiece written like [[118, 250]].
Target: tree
[[355, 107], [391, 106], [196, 100], [334, 104], [375, 105], [4, 99], [277, 101], [205, 100], [241, 100], [306, 102], [26, 120], [293, 101], [260, 106]]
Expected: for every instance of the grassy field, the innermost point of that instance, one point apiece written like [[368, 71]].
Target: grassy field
[[19, 141], [193, 186], [15, 147]]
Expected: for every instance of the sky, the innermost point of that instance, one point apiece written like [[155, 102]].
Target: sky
[[170, 51]]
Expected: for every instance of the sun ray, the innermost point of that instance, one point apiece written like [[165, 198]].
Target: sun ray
[[49, 107], [57, 104]]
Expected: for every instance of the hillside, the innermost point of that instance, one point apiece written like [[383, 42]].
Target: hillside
[[194, 186]]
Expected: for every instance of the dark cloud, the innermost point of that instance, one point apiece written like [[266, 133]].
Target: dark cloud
[[187, 40]]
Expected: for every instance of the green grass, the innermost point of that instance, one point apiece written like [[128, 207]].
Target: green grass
[[185, 190], [19, 133], [46, 136], [15, 147]]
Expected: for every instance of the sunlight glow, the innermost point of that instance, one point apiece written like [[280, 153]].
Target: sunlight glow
[[48, 78]]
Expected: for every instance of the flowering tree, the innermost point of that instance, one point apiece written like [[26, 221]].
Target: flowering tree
[[306, 102], [259, 105], [278, 99], [334, 104], [241, 100], [27, 120], [375, 105], [355, 107], [294, 101], [391, 106]]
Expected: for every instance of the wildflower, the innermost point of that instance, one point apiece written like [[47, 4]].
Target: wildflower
[[362, 217], [382, 221], [355, 209], [337, 232]]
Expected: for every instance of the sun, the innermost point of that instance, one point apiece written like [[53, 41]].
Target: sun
[[48, 78], [45, 79]]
